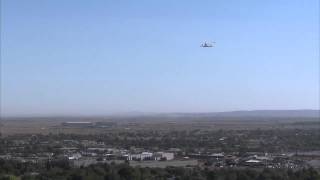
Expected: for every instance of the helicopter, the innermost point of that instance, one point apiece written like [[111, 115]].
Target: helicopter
[[207, 45]]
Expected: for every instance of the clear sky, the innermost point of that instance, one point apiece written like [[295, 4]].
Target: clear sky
[[92, 57]]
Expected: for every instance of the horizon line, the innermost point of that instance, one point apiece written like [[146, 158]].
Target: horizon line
[[140, 113]]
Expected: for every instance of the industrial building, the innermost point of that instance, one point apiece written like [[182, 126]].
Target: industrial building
[[78, 124]]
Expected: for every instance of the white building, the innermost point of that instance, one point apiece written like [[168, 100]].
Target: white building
[[142, 156], [74, 156], [77, 124], [164, 156], [168, 156], [150, 156]]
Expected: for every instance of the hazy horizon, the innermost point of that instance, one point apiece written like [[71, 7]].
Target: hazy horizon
[[138, 113], [109, 57]]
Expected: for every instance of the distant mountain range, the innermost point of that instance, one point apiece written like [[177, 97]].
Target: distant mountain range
[[205, 115], [276, 113], [256, 113]]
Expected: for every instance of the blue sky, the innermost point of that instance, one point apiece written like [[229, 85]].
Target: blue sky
[[108, 56]]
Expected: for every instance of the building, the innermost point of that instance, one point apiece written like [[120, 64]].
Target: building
[[74, 156], [105, 124], [164, 156], [140, 157], [78, 124]]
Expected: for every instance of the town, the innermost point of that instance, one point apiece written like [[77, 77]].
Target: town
[[258, 148]]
